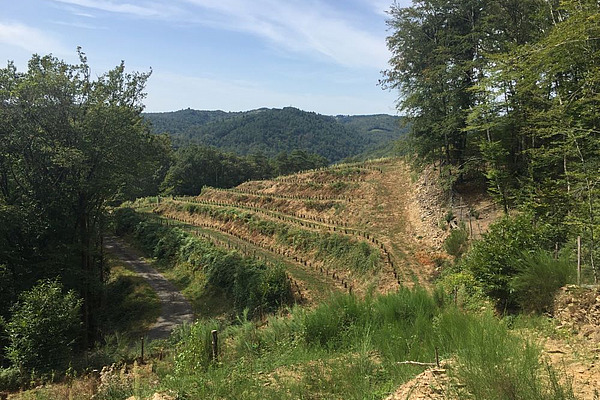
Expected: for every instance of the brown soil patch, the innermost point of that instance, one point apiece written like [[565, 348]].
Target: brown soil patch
[[432, 384], [577, 311]]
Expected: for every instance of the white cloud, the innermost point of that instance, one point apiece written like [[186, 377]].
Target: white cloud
[[307, 26], [31, 39], [80, 25], [147, 10]]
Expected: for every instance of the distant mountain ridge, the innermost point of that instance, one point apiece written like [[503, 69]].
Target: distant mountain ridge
[[270, 131]]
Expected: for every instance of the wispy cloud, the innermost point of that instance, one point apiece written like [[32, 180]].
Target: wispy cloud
[[80, 25], [149, 9], [305, 26], [31, 39]]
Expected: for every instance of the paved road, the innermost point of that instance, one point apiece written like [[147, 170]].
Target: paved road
[[176, 310]]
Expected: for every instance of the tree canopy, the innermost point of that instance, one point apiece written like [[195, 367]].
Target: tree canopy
[[271, 131], [508, 90], [69, 145]]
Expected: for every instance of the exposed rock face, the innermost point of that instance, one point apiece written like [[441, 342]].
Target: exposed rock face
[[578, 308]]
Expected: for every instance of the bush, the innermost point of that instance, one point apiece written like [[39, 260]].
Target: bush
[[492, 261], [538, 278], [44, 328], [492, 362], [194, 349], [124, 220], [456, 243], [10, 379], [259, 289]]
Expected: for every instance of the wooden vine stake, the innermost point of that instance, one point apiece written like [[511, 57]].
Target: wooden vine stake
[[215, 346], [142, 358], [579, 260]]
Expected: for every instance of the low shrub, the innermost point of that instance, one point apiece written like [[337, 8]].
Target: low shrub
[[10, 379], [194, 349], [349, 347], [493, 260], [456, 243], [538, 277], [44, 327]]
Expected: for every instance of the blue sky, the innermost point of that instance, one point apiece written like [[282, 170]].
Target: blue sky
[[233, 55]]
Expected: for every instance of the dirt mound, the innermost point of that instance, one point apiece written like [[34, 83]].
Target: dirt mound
[[578, 309], [432, 384]]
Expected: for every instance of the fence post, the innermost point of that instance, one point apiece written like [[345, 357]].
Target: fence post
[[215, 345], [142, 350], [579, 260]]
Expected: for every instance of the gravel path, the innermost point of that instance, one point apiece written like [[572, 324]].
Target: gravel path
[[175, 311]]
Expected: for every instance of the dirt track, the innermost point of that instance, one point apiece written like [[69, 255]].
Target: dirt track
[[175, 311]]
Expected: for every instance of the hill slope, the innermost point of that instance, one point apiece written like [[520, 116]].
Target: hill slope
[[271, 131]]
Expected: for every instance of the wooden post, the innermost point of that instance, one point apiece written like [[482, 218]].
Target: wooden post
[[142, 350], [215, 345], [579, 260]]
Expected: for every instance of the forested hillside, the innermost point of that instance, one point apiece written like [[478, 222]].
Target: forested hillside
[[271, 131], [508, 92]]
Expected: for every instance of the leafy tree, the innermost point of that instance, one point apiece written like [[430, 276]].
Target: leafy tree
[[44, 328], [197, 166], [538, 110], [437, 50], [271, 131], [69, 145]]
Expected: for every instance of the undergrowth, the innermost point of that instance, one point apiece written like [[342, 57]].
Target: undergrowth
[[332, 248], [351, 348], [205, 272]]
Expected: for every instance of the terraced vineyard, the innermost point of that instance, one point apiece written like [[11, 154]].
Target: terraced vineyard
[[343, 228]]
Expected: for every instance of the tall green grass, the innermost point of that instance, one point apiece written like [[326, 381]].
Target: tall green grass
[[351, 348]]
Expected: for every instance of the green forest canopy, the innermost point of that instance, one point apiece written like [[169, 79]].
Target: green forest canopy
[[508, 90], [271, 131]]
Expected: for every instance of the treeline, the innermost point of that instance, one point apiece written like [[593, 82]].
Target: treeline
[[508, 91], [70, 145], [194, 167], [271, 131]]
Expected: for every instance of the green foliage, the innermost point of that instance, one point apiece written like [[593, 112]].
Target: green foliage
[[72, 143], [10, 379], [493, 261], [509, 91], [260, 289], [132, 304], [44, 328], [124, 220], [538, 278], [195, 167], [331, 247], [350, 348], [492, 362], [252, 285], [273, 131], [194, 348], [456, 243]]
